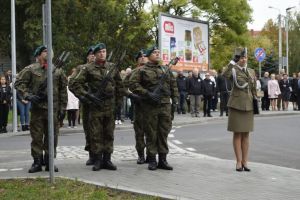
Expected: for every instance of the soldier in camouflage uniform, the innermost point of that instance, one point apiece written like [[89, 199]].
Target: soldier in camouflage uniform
[[27, 84], [102, 113], [157, 107], [138, 111], [85, 107]]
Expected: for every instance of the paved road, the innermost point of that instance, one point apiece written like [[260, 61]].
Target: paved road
[[274, 141]]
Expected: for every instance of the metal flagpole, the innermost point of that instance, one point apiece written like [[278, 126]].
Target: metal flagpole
[[13, 65], [50, 92], [44, 24]]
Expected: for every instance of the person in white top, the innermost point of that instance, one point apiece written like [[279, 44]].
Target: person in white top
[[72, 108], [273, 91]]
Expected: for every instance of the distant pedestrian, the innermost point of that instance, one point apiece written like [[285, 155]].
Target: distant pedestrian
[[273, 91], [224, 88], [265, 101], [182, 84], [5, 95], [24, 109], [208, 91], [294, 85], [285, 88], [298, 91], [72, 107], [195, 92]]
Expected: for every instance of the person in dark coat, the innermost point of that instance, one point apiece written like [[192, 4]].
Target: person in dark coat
[[208, 91], [224, 88], [298, 91], [265, 101], [285, 88], [195, 92], [182, 84], [5, 96], [294, 85]]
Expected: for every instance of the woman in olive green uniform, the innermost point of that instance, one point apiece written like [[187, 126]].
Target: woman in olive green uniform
[[240, 105]]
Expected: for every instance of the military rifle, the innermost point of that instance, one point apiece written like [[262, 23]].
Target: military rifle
[[159, 90], [101, 94], [58, 63]]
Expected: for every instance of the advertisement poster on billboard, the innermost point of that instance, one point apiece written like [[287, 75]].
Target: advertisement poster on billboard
[[185, 38]]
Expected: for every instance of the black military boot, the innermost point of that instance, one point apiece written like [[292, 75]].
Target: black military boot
[[162, 163], [98, 162], [91, 160], [107, 164], [152, 164], [23, 128], [26, 127], [36, 166], [141, 158], [46, 160]]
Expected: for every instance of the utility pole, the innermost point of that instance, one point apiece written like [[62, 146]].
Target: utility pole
[[13, 64], [50, 91], [287, 37]]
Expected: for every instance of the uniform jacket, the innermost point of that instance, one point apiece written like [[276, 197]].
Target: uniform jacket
[[195, 85], [5, 94], [32, 76], [88, 80], [146, 78], [241, 99]]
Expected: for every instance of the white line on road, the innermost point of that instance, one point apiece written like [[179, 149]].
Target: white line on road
[[177, 142], [16, 169], [170, 135], [190, 149], [172, 131], [3, 170], [178, 127]]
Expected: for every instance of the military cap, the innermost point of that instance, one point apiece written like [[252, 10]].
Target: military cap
[[140, 53], [239, 52], [98, 47], [90, 50], [150, 50], [39, 50]]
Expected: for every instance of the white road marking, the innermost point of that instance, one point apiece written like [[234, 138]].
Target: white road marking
[[172, 131], [177, 142], [16, 169], [3, 170], [178, 127], [170, 135], [190, 149]]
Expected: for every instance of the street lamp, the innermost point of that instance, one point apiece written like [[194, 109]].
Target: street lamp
[[287, 37], [279, 39]]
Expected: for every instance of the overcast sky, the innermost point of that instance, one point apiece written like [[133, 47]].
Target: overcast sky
[[261, 12]]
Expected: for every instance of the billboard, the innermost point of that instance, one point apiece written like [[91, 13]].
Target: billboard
[[186, 38]]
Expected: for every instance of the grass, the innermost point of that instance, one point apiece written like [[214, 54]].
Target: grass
[[40, 188]]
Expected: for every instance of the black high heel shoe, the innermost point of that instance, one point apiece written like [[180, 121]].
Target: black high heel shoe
[[246, 169], [239, 169]]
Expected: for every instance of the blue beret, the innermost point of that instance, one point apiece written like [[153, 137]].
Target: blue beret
[[90, 50], [140, 53], [150, 50], [98, 47], [39, 50]]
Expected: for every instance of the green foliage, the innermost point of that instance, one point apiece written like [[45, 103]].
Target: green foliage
[[34, 189]]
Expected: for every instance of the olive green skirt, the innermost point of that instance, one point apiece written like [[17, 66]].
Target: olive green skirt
[[240, 121]]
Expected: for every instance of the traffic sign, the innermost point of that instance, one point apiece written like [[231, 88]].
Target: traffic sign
[[260, 54]]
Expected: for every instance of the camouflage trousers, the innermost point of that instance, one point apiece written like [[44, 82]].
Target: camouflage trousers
[[85, 123], [101, 127], [138, 128], [157, 125], [39, 132]]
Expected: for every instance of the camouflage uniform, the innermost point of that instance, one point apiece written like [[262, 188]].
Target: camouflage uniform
[[102, 124], [138, 124], [27, 83], [157, 118]]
